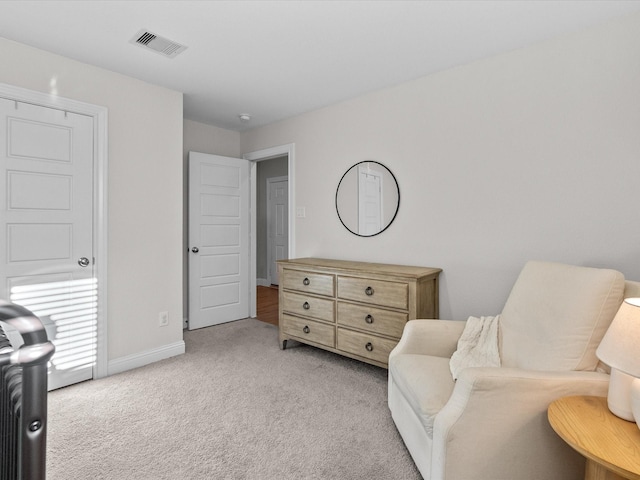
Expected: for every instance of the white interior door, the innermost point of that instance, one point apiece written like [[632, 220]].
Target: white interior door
[[369, 201], [278, 224], [218, 239], [46, 222]]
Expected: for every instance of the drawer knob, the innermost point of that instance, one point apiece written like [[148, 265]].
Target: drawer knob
[[306, 329], [368, 319], [306, 305], [368, 291], [369, 347], [306, 281]]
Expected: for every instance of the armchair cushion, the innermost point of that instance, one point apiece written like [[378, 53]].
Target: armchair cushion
[[426, 383], [556, 315]]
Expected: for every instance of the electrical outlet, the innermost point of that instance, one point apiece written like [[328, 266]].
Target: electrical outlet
[[163, 319]]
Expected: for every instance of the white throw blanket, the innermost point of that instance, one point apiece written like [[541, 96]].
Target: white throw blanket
[[477, 346]]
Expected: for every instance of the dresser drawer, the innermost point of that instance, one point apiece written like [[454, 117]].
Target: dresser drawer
[[309, 282], [367, 346], [377, 292], [308, 306], [371, 319], [309, 330]]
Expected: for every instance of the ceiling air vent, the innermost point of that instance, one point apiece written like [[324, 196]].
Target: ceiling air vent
[[155, 43]]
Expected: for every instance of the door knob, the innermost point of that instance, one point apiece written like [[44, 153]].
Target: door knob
[[83, 261], [195, 249]]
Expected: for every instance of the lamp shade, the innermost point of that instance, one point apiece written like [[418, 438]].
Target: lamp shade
[[620, 347]]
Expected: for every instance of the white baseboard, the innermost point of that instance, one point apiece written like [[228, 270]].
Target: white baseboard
[[263, 282], [136, 360]]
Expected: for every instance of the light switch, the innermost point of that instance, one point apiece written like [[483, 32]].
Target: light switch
[[300, 212]]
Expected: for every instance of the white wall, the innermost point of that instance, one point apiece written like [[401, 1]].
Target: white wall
[[145, 192], [199, 137], [534, 154]]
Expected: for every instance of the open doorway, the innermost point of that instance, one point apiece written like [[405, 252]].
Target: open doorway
[[272, 219], [272, 225], [271, 173]]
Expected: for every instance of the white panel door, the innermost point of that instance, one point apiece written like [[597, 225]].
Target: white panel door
[[369, 201], [278, 225], [218, 239], [46, 230]]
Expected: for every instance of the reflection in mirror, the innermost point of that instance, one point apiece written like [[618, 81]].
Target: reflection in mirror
[[367, 199]]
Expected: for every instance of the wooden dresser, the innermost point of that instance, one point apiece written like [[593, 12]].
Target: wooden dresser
[[356, 309]]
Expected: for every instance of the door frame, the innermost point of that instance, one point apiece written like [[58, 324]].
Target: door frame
[[254, 157], [100, 183], [271, 180]]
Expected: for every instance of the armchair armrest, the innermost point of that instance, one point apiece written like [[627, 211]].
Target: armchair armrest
[[502, 413], [438, 338]]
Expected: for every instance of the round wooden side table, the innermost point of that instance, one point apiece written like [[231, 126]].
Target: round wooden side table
[[610, 444]]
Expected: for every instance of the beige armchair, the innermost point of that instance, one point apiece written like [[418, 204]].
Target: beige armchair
[[491, 423]]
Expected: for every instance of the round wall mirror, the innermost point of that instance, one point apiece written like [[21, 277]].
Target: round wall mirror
[[367, 198]]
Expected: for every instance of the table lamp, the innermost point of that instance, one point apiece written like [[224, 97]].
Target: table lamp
[[620, 349]]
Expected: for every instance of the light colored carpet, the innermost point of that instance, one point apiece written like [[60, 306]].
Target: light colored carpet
[[234, 406]]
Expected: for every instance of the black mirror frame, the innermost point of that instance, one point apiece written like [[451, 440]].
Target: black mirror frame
[[397, 205]]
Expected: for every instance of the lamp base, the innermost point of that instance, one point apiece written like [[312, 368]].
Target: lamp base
[[635, 400], [619, 397]]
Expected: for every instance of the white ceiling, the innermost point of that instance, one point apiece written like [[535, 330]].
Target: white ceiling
[[278, 59]]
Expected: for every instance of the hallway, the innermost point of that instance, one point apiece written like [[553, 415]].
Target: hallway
[[267, 304]]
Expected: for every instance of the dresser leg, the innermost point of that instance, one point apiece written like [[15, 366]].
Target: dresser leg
[[284, 345]]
